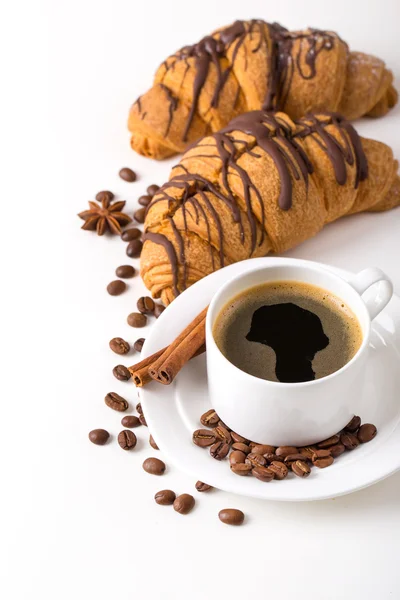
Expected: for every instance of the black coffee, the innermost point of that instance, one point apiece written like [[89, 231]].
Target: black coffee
[[287, 331]]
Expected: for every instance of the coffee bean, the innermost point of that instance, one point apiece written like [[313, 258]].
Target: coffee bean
[[224, 425], [138, 345], [144, 200], [236, 457], [145, 305], [121, 373], [279, 469], [300, 468], [154, 466], [134, 248], [209, 418], [307, 451], [203, 487], [152, 443], [241, 469], [158, 310], [252, 444], [332, 441], [139, 408], [231, 516], [119, 346], [143, 420], [255, 460], [353, 425], [238, 439], [241, 447], [366, 433], [203, 438], [152, 189], [139, 215], [349, 440], [127, 439], [219, 450], [99, 436], [130, 421], [322, 458], [133, 233], [223, 434], [137, 320], [263, 449], [285, 450], [116, 402], [291, 458], [337, 450], [165, 497], [106, 196], [115, 288], [127, 174], [263, 473], [184, 503], [125, 271]]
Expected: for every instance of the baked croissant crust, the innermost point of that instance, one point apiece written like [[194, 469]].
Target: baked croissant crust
[[254, 65], [262, 184]]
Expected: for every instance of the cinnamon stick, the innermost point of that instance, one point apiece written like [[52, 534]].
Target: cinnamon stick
[[140, 371]]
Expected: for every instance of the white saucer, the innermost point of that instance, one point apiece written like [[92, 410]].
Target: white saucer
[[173, 412]]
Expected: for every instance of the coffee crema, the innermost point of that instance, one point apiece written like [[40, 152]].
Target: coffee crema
[[287, 331]]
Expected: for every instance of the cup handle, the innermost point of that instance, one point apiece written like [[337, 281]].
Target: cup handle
[[378, 297]]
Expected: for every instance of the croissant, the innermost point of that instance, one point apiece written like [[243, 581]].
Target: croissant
[[254, 65], [263, 184]]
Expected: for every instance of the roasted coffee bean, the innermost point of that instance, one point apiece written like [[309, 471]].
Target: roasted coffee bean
[[125, 271], [279, 469], [152, 189], [366, 433], [165, 497], [130, 421], [119, 346], [300, 468], [142, 420], [223, 434], [134, 248], [241, 447], [349, 440], [203, 487], [121, 373], [139, 215], [322, 458], [307, 451], [145, 305], [99, 436], [139, 408], [236, 457], [263, 473], [127, 439], [138, 345], [154, 466], [184, 503], [219, 450], [263, 449], [115, 288], [353, 425], [204, 438], [152, 443], [158, 310], [285, 450], [332, 441], [241, 469], [238, 439], [291, 458], [252, 444], [337, 450], [106, 196], [133, 233], [137, 320], [144, 200], [116, 402], [222, 424], [210, 418], [269, 457], [231, 516], [127, 174], [255, 460]]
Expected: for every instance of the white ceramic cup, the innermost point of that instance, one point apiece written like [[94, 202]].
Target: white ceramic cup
[[294, 413]]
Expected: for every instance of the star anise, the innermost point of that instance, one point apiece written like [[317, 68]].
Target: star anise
[[107, 216]]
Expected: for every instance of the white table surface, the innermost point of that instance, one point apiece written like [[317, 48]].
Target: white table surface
[[79, 521]]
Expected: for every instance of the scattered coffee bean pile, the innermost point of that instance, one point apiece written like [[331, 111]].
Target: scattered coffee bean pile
[[267, 462]]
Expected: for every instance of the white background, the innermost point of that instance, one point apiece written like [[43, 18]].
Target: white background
[[79, 521]]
